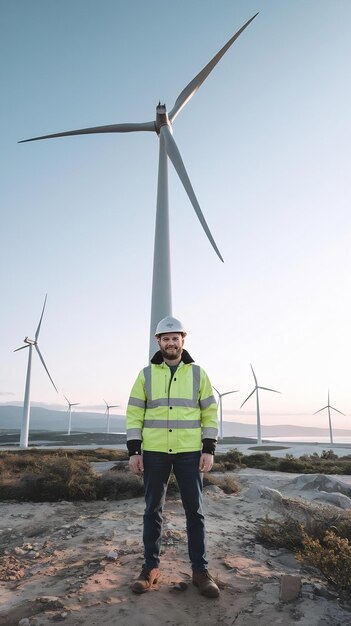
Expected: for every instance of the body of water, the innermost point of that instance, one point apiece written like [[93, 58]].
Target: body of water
[[317, 439]]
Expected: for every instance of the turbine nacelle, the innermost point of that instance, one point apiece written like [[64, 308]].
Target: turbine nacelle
[[162, 118], [30, 342]]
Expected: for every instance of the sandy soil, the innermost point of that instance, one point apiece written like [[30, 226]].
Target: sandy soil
[[73, 562]]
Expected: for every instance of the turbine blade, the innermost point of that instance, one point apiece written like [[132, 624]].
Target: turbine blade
[[46, 369], [22, 348], [254, 375], [216, 390], [252, 392], [41, 317], [334, 409], [227, 392], [75, 403], [174, 155], [66, 399], [325, 407], [267, 389], [112, 128], [190, 90]]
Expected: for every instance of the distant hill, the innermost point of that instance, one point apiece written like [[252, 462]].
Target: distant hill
[[47, 419]]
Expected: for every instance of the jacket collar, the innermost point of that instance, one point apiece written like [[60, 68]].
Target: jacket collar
[[157, 359]]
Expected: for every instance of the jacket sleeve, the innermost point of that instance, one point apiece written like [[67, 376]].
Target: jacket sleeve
[[136, 409], [208, 408]]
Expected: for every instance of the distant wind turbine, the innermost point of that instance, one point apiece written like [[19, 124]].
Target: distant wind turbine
[[161, 305], [69, 411], [328, 406], [26, 405], [220, 396], [107, 412], [257, 387]]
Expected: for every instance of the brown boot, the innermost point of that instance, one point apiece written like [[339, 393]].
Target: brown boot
[[205, 583], [146, 579]]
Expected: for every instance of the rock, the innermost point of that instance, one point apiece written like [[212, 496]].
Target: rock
[[255, 493], [130, 542], [320, 482], [33, 554], [260, 551], [180, 586], [53, 601], [19, 551], [337, 499], [112, 555], [290, 587], [324, 592], [288, 559], [24, 622], [214, 489]]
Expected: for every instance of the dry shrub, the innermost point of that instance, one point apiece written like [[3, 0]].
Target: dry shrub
[[262, 460], [327, 463], [228, 461], [228, 484], [13, 463], [172, 487], [322, 541], [18, 461], [275, 533], [58, 479], [118, 485], [332, 556]]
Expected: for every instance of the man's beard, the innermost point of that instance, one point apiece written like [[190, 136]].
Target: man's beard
[[172, 356]]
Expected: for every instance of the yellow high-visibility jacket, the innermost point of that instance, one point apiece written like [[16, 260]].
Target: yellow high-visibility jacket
[[172, 414]]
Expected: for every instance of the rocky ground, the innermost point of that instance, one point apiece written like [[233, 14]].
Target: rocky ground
[[73, 562]]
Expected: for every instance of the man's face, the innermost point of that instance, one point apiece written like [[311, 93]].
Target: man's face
[[171, 345]]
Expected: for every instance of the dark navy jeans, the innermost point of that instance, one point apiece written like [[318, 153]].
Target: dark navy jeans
[[157, 469]]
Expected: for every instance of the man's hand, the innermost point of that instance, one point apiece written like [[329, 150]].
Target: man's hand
[[206, 462], [136, 464]]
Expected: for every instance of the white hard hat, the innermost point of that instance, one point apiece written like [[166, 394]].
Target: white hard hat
[[169, 324]]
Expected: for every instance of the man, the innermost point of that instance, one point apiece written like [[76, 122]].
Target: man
[[172, 422]]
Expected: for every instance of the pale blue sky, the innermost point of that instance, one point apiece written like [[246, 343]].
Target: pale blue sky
[[266, 143]]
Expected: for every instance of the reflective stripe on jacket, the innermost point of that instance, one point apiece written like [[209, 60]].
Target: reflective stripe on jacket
[[172, 415]]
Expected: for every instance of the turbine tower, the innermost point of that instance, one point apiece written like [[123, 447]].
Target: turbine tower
[[220, 396], [161, 301], [69, 411], [29, 343], [257, 387], [107, 412], [328, 406]]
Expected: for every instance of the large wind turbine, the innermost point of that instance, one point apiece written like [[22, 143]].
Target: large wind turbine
[[161, 304], [26, 406], [220, 396], [69, 411], [328, 406], [257, 387], [107, 413]]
